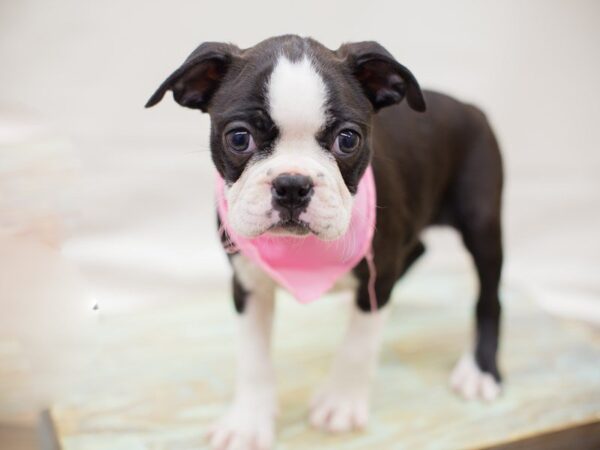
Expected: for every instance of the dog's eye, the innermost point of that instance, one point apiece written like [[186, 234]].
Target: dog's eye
[[346, 142], [240, 140]]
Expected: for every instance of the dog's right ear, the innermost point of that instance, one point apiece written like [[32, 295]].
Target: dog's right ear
[[199, 77]]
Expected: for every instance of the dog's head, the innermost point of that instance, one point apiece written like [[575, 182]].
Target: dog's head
[[290, 123]]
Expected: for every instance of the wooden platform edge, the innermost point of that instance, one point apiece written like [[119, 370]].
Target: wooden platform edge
[[584, 436], [46, 432]]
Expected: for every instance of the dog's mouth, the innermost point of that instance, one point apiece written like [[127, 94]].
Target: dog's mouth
[[293, 227]]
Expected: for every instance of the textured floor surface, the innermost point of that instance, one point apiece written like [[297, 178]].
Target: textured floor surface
[[162, 377]]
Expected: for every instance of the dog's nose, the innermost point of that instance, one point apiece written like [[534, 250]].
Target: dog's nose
[[292, 191]]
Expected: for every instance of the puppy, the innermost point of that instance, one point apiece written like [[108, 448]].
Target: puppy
[[295, 127]]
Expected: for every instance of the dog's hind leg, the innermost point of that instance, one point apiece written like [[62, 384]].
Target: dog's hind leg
[[477, 204]]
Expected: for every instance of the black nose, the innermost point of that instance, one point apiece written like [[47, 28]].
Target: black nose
[[292, 191]]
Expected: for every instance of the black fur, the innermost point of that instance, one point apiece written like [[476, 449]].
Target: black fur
[[239, 295]]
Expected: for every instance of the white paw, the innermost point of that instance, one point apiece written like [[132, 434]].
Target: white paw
[[338, 409], [247, 426], [471, 383]]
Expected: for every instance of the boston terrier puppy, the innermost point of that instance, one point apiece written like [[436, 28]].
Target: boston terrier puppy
[[327, 177]]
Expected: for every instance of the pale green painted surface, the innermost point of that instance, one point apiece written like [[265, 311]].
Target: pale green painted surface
[[164, 376]]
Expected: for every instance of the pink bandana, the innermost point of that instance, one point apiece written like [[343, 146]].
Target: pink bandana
[[307, 266]]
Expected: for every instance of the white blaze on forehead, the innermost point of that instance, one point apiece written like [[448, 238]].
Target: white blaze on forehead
[[296, 96]]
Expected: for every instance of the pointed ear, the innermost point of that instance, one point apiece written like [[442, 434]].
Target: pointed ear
[[384, 80], [199, 77]]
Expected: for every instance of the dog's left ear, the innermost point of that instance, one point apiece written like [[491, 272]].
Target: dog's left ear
[[384, 80], [199, 77]]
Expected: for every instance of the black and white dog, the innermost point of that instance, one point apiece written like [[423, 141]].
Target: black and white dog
[[290, 99]]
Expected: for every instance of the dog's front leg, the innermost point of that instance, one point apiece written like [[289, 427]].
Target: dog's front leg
[[250, 422], [342, 403]]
